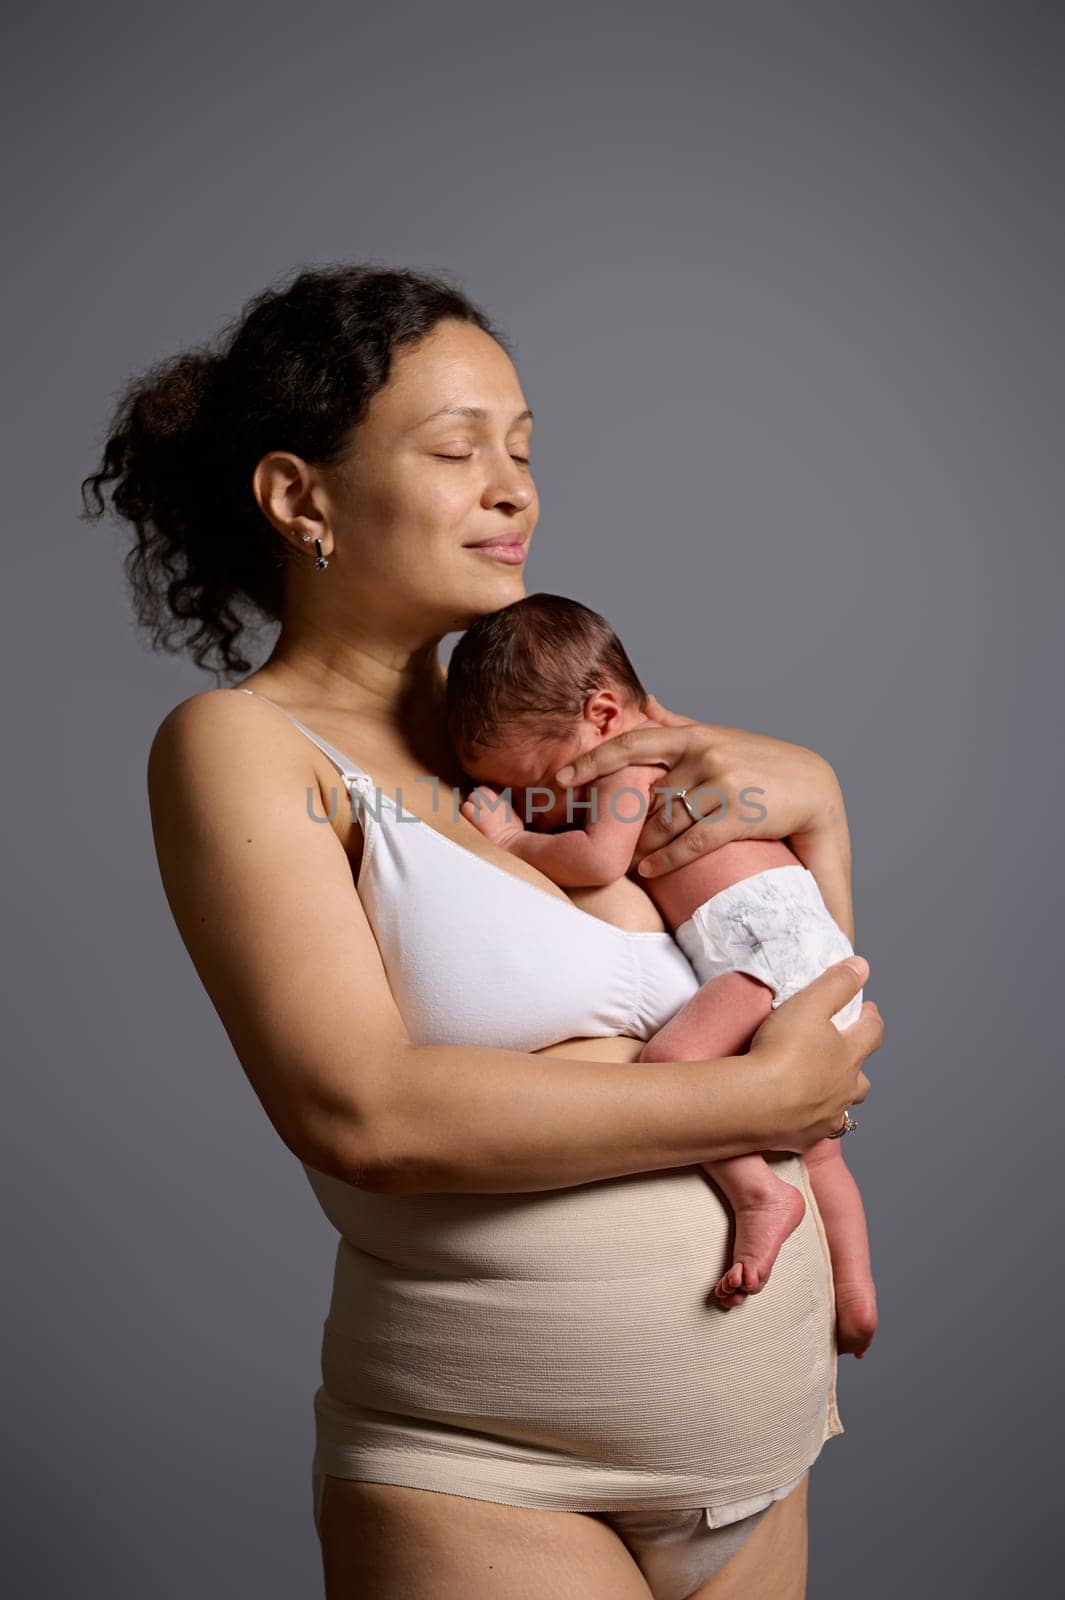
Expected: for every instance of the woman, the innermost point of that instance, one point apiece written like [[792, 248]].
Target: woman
[[521, 1326]]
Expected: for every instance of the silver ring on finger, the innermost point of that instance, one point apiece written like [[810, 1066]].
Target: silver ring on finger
[[849, 1126], [682, 796]]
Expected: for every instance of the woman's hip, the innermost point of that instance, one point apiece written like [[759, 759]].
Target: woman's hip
[[383, 1541]]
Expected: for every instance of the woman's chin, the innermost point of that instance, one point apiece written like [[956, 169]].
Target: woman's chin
[[498, 588]]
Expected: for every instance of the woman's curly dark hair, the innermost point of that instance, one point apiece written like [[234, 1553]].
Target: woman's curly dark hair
[[295, 371]]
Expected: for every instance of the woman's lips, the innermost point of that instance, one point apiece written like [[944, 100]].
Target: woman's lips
[[513, 554]]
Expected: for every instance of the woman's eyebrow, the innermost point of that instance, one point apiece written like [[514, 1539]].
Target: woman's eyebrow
[[466, 411]]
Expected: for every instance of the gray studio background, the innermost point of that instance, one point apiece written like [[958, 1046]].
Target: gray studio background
[[784, 287]]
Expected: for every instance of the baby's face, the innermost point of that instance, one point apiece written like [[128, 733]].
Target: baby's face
[[522, 761], [525, 763]]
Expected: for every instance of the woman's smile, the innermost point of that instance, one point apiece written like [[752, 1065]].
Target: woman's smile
[[512, 553]]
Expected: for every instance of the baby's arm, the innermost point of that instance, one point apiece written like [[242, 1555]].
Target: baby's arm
[[597, 852]]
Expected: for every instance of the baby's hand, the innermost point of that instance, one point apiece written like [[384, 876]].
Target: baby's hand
[[487, 811]]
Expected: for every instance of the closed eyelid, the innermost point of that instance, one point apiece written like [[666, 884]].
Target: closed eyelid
[[468, 441]]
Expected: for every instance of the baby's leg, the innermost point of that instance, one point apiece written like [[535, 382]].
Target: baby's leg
[[720, 1020], [840, 1204]]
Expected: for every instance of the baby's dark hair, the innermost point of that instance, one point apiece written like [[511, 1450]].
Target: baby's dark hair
[[295, 371], [534, 663]]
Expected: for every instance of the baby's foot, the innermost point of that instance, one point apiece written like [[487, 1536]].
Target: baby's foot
[[855, 1316], [762, 1225]]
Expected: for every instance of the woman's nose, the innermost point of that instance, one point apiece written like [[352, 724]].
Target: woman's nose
[[512, 486]]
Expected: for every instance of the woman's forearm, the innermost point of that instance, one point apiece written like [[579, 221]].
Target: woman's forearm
[[824, 848], [470, 1120]]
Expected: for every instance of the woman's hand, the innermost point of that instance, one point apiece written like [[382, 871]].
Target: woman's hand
[[753, 786], [759, 788], [815, 1066]]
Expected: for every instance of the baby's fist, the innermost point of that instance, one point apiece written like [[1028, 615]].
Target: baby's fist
[[492, 814]]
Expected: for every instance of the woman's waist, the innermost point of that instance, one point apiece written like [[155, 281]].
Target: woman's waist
[[629, 1363], [578, 1467], [645, 1224], [640, 1252]]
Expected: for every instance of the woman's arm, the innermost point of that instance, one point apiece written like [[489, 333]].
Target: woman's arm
[[825, 850], [758, 787], [264, 902]]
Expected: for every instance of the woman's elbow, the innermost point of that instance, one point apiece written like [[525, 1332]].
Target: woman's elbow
[[350, 1159], [348, 1143]]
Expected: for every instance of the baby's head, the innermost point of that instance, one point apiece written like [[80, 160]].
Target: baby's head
[[530, 687]]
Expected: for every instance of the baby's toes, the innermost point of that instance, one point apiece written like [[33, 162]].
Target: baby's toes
[[729, 1286], [753, 1280]]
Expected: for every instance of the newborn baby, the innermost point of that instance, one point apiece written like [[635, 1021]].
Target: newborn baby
[[529, 688]]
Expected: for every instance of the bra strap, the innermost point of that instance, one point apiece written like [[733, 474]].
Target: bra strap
[[347, 767]]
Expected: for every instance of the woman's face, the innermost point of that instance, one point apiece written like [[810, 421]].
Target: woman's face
[[440, 461]]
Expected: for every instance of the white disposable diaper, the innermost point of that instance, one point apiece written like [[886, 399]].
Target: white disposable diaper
[[774, 926]]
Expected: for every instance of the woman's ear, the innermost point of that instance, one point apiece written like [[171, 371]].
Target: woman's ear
[[284, 489]]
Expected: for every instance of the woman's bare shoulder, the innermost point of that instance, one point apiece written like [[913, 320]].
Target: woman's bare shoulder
[[220, 759], [210, 721], [220, 737]]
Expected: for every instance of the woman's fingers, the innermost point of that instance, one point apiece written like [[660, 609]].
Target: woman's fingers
[[739, 785], [687, 750], [830, 990], [867, 1034], [824, 1076], [856, 965], [646, 745], [653, 858]]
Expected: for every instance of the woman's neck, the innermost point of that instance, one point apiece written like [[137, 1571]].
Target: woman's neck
[[400, 694]]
